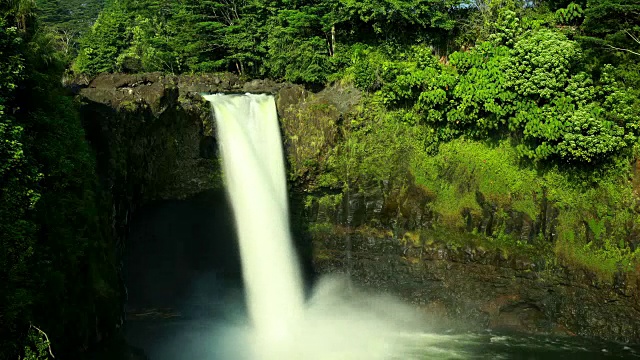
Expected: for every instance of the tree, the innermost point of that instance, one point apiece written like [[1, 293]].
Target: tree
[[54, 258], [608, 35], [235, 34], [102, 45], [611, 25], [69, 20], [297, 46], [485, 17], [634, 38], [75, 16], [610, 19], [18, 194], [22, 11], [394, 15]]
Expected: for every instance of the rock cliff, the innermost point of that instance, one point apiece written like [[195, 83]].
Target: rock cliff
[[155, 139]]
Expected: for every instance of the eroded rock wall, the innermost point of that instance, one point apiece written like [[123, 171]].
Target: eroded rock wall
[[154, 137]]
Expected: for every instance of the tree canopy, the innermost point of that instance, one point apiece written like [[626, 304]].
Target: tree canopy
[[292, 40]]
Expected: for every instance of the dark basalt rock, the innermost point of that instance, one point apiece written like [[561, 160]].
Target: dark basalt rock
[[473, 288], [156, 133]]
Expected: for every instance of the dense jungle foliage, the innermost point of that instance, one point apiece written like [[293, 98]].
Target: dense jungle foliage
[[519, 99], [56, 271], [548, 74]]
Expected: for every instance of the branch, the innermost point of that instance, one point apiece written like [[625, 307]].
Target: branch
[[46, 337], [633, 37], [621, 49]]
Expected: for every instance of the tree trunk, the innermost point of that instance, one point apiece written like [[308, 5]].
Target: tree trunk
[[333, 40]]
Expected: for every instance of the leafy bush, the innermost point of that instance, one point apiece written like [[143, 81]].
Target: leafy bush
[[528, 86], [39, 346], [542, 63], [563, 113]]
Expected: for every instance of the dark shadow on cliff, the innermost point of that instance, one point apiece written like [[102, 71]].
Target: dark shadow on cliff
[[175, 246], [301, 237], [183, 273]]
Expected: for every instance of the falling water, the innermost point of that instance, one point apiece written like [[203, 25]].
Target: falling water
[[254, 173], [337, 322]]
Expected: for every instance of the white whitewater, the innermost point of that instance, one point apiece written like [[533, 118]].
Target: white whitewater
[[337, 322]]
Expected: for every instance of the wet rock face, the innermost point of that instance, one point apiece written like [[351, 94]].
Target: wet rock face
[[155, 135], [405, 206], [473, 288], [381, 235]]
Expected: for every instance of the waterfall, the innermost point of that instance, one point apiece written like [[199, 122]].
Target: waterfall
[[253, 167], [338, 322]]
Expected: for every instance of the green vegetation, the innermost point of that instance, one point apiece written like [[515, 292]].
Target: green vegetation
[[313, 130], [56, 270], [74, 16], [595, 223], [67, 21], [532, 91], [478, 126], [39, 347], [542, 108], [300, 41]]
